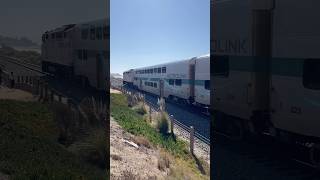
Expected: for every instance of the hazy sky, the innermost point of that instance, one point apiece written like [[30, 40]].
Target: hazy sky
[[149, 32], [30, 18]]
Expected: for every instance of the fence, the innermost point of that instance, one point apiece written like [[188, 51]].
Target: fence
[[173, 122]]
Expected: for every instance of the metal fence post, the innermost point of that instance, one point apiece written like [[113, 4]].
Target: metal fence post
[[150, 112], [171, 124], [191, 139]]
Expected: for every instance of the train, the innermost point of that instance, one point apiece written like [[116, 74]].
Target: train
[[78, 52], [185, 81], [266, 71]]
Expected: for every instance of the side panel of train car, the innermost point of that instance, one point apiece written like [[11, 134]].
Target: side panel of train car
[[57, 51], [78, 51], [91, 44], [295, 95], [270, 85], [171, 80], [128, 77], [202, 80]]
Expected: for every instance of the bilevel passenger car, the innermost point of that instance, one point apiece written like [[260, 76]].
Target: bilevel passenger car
[[266, 73], [78, 52], [185, 81]]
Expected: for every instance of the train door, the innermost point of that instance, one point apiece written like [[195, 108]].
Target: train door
[[192, 82], [161, 88]]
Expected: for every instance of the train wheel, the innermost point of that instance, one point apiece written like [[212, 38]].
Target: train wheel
[[315, 155]]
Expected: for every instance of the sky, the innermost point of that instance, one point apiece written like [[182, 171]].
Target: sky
[[150, 32], [30, 18]]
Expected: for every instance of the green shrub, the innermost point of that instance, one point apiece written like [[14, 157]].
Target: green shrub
[[163, 123]]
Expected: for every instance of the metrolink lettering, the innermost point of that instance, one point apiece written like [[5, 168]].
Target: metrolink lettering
[[230, 46]]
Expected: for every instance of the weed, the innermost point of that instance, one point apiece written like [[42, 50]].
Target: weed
[[163, 161], [140, 108], [116, 157], [142, 141]]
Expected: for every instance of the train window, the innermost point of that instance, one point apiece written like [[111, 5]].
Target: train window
[[105, 32], [84, 33], [171, 82], [151, 71], [311, 74], [164, 69], [99, 33], [159, 70], [47, 36], [178, 82], [145, 83], [53, 36], [207, 84], [155, 85], [92, 33], [155, 70], [220, 66]]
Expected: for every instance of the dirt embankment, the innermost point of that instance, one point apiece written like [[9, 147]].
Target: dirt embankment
[[15, 94], [128, 161]]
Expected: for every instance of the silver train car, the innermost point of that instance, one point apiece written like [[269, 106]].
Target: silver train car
[[268, 85], [128, 77], [187, 81], [78, 52]]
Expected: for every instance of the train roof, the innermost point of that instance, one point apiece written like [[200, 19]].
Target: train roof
[[68, 27], [174, 62]]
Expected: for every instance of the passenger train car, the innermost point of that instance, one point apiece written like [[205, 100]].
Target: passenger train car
[[266, 73], [186, 80], [128, 77], [78, 52]]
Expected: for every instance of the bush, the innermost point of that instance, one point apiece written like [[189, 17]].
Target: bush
[[140, 108], [163, 123], [93, 148]]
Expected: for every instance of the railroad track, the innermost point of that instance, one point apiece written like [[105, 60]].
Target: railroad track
[[26, 65], [176, 122]]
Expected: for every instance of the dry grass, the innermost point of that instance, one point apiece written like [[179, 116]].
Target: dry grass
[[128, 175], [164, 161], [116, 157], [182, 170], [142, 141], [140, 108]]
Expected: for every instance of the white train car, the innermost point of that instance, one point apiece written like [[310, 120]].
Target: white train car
[[180, 81], [202, 80], [78, 51], [170, 80], [267, 73], [128, 77], [295, 80]]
